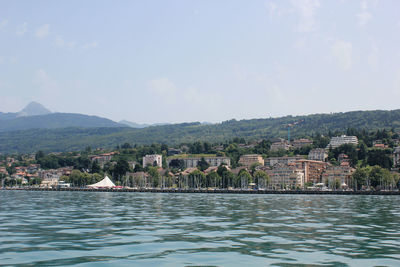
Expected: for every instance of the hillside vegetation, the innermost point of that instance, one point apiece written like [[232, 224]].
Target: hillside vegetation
[[68, 139], [53, 120]]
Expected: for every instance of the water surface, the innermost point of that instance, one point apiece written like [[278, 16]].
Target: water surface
[[158, 229]]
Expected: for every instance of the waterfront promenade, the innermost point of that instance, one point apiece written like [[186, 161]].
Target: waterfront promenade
[[213, 191]]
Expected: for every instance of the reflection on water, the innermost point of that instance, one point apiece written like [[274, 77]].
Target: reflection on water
[[125, 229]]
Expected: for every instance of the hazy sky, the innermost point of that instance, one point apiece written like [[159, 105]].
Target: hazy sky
[[175, 61]]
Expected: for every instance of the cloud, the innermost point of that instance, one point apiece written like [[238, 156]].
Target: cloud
[[342, 53], [363, 18], [93, 44], [60, 42], [306, 10], [162, 87], [43, 31], [274, 9], [300, 43], [396, 90], [22, 29], [3, 24], [45, 82], [373, 57]]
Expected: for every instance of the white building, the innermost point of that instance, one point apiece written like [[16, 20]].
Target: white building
[[341, 140], [150, 159], [193, 162], [396, 157], [319, 154]]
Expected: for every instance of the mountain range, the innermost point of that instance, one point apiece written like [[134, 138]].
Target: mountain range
[[36, 116], [70, 132]]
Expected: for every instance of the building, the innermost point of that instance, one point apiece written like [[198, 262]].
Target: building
[[194, 161], [312, 170], [283, 145], [281, 160], [341, 140], [343, 158], [299, 143], [3, 170], [337, 173], [286, 176], [50, 178], [32, 168], [102, 159], [173, 151], [396, 157], [152, 160], [250, 159], [318, 154]]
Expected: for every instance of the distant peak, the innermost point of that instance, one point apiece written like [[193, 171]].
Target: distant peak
[[34, 109]]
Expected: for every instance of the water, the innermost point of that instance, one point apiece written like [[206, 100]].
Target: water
[[147, 229]]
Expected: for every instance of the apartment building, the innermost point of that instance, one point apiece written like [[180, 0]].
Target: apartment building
[[341, 140], [286, 176], [152, 160], [192, 162], [318, 154], [250, 159], [281, 160], [312, 169]]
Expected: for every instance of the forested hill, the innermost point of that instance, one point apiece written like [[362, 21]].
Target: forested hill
[[53, 120], [68, 139]]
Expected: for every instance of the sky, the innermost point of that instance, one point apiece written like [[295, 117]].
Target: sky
[[171, 61]]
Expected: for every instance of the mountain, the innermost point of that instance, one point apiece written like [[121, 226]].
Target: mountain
[[36, 116], [56, 120], [70, 139], [33, 109], [138, 125], [134, 124]]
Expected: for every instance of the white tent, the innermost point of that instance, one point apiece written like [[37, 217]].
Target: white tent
[[105, 183]]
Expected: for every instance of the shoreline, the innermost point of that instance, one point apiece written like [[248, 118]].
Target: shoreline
[[208, 191]]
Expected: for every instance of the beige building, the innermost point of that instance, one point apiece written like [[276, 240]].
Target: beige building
[[250, 159], [286, 176], [299, 143], [341, 173], [312, 169], [152, 160], [283, 145]]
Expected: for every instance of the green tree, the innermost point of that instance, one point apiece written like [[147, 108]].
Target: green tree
[[261, 179], [121, 168], [380, 178], [95, 167], [360, 177], [213, 179], [197, 179], [244, 179], [380, 157], [202, 164], [154, 176]]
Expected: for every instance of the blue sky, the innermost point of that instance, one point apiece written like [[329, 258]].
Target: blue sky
[[180, 61]]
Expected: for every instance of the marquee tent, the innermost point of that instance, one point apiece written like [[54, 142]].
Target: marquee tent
[[105, 183]]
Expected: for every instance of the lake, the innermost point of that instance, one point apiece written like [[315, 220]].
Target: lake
[[160, 229]]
